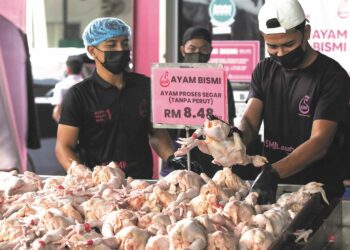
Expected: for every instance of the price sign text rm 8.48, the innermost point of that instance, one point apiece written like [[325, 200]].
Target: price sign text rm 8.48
[[186, 96]]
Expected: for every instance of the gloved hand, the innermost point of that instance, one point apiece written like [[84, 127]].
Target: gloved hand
[[180, 162], [265, 184]]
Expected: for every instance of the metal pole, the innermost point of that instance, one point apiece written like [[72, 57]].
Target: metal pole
[[188, 154], [65, 19]]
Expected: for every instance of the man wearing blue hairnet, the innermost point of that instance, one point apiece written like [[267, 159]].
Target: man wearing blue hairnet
[[106, 117]]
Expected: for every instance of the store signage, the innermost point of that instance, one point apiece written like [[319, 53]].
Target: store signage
[[183, 97], [238, 57], [222, 13], [330, 28]]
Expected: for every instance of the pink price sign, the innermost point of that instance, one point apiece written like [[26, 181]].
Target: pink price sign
[[239, 58], [185, 96]]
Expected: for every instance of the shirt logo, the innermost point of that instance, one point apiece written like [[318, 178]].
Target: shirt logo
[[103, 115], [122, 164], [143, 108], [304, 107]]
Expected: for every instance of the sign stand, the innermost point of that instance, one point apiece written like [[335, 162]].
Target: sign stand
[[188, 154]]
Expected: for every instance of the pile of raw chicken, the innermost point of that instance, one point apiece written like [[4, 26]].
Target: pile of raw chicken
[[100, 209]]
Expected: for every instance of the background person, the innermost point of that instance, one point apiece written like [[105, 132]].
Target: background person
[[196, 48], [107, 116], [302, 96], [74, 66]]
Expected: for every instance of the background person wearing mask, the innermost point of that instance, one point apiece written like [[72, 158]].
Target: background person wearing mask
[[302, 96], [196, 48], [74, 66], [108, 114]]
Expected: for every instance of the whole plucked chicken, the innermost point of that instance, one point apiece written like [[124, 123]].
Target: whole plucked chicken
[[222, 142]]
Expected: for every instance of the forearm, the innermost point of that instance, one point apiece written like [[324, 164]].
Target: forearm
[[56, 113], [161, 143], [249, 132], [251, 121], [307, 153], [65, 155]]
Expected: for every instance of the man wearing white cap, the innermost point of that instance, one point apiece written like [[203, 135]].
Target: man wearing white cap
[[106, 117], [302, 96]]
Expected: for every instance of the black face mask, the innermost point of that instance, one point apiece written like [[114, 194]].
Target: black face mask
[[290, 60], [196, 58], [116, 61]]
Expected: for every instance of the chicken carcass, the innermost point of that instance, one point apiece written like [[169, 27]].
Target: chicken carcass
[[132, 237], [188, 234], [222, 143], [87, 240], [273, 221], [54, 219], [158, 242], [117, 220], [231, 183], [12, 184], [155, 223], [79, 170], [255, 238], [49, 240], [239, 211], [183, 183], [104, 174], [222, 240], [294, 202]]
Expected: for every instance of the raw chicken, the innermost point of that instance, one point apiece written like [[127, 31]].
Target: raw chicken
[[137, 184], [96, 208], [239, 211], [223, 241], [226, 147], [294, 202], [70, 211], [79, 170], [85, 241], [132, 238], [231, 183], [117, 220], [182, 183], [48, 240], [273, 221], [55, 219], [158, 242], [188, 234], [104, 174], [255, 239], [155, 223], [12, 184]]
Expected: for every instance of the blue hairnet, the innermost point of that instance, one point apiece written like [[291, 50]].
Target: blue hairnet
[[102, 29]]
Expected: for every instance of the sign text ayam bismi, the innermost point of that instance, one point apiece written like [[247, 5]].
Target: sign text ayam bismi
[[185, 96]]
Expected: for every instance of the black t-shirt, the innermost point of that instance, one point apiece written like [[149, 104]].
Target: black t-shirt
[[293, 99], [114, 124]]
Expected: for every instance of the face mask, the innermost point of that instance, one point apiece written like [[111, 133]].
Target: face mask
[[290, 60], [196, 58], [116, 61]]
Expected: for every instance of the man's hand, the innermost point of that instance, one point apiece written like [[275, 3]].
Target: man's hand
[[180, 162], [265, 185]]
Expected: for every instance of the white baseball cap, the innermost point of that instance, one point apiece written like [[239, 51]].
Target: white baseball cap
[[279, 16]]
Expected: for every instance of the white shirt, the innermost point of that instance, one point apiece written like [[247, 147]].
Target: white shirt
[[62, 87]]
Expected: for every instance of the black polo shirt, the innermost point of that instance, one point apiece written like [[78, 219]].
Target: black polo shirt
[[293, 99], [113, 124]]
